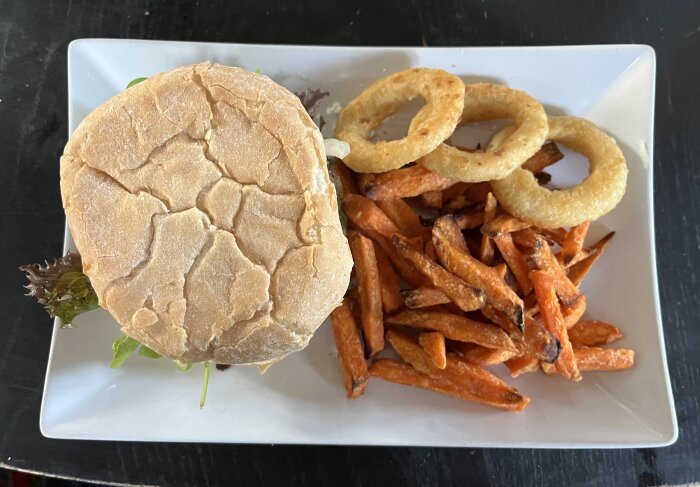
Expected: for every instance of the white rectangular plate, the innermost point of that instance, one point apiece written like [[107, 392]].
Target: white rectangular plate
[[301, 400]]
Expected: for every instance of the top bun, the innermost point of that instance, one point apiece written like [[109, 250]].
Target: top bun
[[201, 205]]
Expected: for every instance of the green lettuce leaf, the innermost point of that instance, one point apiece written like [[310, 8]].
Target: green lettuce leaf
[[134, 82], [205, 386], [122, 348], [146, 352], [182, 365]]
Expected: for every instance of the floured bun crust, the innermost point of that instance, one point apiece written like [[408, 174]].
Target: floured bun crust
[[201, 205]]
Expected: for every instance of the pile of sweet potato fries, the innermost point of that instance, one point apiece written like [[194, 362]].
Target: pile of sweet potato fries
[[455, 284]]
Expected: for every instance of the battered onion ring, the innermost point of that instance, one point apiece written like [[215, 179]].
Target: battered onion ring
[[485, 101], [600, 192], [444, 96]]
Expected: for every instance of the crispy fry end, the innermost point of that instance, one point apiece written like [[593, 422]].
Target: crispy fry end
[[350, 353]]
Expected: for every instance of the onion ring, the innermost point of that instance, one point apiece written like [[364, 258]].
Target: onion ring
[[444, 96], [521, 195], [486, 101]]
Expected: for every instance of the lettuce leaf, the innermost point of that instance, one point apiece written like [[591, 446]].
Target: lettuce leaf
[[122, 348], [205, 386], [134, 82], [311, 100], [182, 365], [146, 352], [61, 287]]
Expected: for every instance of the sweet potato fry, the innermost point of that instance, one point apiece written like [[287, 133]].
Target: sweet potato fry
[[525, 238], [592, 333], [410, 351], [479, 355], [463, 295], [522, 364], [388, 281], [570, 315], [539, 341], [573, 314], [403, 266], [423, 297], [477, 381], [363, 180], [490, 208], [530, 302], [405, 183], [454, 201], [553, 235], [594, 358], [430, 251], [480, 276], [545, 261], [354, 303], [457, 189], [433, 342], [455, 327], [370, 291], [477, 192], [515, 260], [448, 227], [432, 199], [573, 243], [402, 373], [549, 369], [486, 250], [510, 280], [544, 285], [502, 224], [501, 269], [350, 353], [352, 294], [580, 255], [467, 221], [488, 388], [457, 203], [546, 156], [367, 216], [579, 270], [589, 359], [405, 217], [507, 276], [343, 175], [533, 339], [373, 223]]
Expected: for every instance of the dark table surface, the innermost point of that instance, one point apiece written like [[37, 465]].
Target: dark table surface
[[34, 35]]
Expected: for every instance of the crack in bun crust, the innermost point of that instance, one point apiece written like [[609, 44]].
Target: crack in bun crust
[[202, 208]]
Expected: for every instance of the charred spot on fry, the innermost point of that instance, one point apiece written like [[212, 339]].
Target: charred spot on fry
[[552, 350]]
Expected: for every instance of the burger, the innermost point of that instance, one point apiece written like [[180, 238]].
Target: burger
[[200, 204]]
